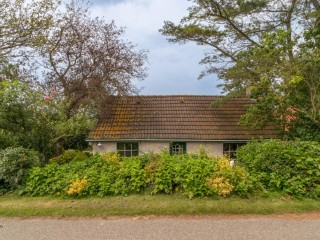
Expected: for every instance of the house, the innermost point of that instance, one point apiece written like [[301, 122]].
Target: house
[[179, 124]]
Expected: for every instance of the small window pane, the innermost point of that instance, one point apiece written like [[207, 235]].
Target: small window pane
[[226, 147], [233, 146], [121, 146], [178, 148], [135, 146], [128, 149], [135, 153], [230, 149], [128, 146]]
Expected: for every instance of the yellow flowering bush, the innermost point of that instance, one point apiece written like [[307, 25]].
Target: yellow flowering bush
[[223, 164], [220, 185], [227, 179], [76, 186], [111, 156]]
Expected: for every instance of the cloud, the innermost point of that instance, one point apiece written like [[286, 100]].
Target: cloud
[[106, 2], [174, 68], [143, 15]]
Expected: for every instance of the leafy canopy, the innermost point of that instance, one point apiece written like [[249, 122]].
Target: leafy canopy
[[58, 64], [268, 49], [36, 121]]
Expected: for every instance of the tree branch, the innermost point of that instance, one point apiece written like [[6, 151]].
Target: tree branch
[[316, 5], [226, 17], [289, 29]]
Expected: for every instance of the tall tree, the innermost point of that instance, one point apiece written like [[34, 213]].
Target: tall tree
[[87, 59], [34, 120], [263, 46], [57, 65], [25, 23], [65, 49]]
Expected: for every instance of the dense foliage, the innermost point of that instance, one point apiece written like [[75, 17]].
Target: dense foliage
[[292, 166], [58, 65], [200, 175], [266, 49], [94, 176], [14, 166], [30, 120], [102, 175], [70, 156]]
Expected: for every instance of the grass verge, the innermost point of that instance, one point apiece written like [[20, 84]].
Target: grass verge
[[145, 204]]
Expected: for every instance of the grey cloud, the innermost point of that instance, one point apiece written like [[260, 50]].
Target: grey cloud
[[173, 68]]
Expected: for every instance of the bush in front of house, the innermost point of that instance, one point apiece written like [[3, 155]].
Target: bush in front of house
[[200, 176], [289, 166], [14, 166], [99, 175], [69, 156], [109, 174]]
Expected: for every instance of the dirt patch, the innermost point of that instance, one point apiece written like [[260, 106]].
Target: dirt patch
[[286, 216]]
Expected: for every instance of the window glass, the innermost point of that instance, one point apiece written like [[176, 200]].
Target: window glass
[[233, 146], [128, 149], [225, 147], [230, 149], [177, 148]]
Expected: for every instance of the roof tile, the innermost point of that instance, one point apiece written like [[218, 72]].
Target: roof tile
[[175, 117]]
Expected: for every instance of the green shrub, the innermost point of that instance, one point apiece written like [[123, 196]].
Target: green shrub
[[289, 166], [94, 176], [14, 166], [151, 167], [200, 175], [166, 173], [109, 174], [68, 156], [4, 187], [147, 158], [132, 175], [48, 180], [193, 176]]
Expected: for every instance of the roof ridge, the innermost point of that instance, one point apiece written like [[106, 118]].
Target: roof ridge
[[168, 95], [180, 95]]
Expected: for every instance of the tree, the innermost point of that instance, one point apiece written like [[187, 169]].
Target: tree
[[57, 66], [66, 50], [38, 121], [87, 60], [14, 166], [264, 46], [25, 23]]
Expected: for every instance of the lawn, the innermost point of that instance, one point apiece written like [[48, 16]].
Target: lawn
[[145, 204]]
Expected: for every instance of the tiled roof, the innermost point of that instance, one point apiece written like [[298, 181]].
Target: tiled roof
[[175, 117]]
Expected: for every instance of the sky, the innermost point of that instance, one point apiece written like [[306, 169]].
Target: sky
[[173, 68]]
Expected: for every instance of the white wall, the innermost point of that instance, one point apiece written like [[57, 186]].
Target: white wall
[[105, 147], [155, 147], [213, 148]]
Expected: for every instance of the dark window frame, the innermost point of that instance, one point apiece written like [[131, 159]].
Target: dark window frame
[[178, 148], [230, 148], [128, 149]]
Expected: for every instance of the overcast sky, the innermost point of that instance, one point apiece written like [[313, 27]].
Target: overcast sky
[[173, 68]]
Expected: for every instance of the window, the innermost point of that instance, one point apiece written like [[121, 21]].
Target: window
[[128, 149], [230, 149], [177, 148]]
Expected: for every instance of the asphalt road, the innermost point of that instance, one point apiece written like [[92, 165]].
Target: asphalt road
[[141, 228]]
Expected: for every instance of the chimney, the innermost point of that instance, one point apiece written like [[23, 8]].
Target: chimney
[[248, 91]]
